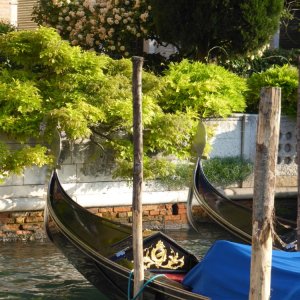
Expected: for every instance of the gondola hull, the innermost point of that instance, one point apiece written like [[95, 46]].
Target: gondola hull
[[234, 217], [101, 250]]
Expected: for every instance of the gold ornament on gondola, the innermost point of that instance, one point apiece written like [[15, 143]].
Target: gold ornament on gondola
[[158, 257]]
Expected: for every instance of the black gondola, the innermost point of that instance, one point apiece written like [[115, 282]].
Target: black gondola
[[102, 250], [230, 214]]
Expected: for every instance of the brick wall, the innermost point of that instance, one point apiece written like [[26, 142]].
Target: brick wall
[[29, 225], [21, 225]]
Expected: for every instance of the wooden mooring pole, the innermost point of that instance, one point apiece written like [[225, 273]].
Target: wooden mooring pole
[[137, 226], [264, 190], [298, 159]]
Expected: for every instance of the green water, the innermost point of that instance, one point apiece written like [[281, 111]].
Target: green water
[[37, 270]]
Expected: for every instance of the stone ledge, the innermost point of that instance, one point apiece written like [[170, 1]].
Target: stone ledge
[[94, 200], [22, 204], [247, 193]]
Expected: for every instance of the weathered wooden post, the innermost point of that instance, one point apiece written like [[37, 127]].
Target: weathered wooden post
[[298, 158], [264, 187], [137, 225]]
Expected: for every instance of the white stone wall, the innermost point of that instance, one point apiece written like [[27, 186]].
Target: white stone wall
[[4, 9], [90, 182], [236, 136], [8, 11]]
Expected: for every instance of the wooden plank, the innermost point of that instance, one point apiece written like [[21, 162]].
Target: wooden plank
[[264, 190]]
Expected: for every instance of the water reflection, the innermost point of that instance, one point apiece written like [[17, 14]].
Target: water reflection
[[37, 270], [199, 242]]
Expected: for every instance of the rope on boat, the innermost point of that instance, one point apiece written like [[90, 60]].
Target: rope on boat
[[142, 288]]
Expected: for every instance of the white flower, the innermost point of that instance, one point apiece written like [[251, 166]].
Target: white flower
[[110, 21], [144, 16]]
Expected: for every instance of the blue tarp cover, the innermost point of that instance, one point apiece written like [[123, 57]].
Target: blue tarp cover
[[224, 273]]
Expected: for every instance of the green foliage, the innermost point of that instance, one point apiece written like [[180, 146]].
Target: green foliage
[[50, 83], [246, 66], [20, 106], [6, 27], [197, 28], [113, 27], [224, 171], [4, 152], [49, 80], [213, 28], [209, 89], [179, 177], [13, 162], [170, 175], [285, 77]]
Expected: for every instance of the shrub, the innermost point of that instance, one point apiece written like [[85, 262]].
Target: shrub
[[50, 82], [208, 89], [285, 77], [6, 27], [260, 62], [224, 171], [180, 177], [107, 26]]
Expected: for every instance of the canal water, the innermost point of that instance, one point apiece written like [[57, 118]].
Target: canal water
[[37, 270]]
